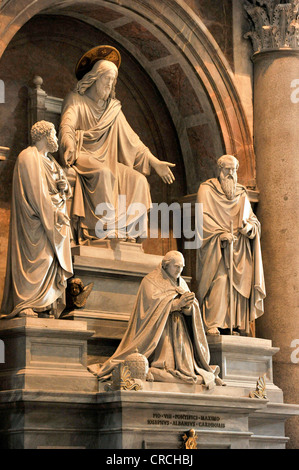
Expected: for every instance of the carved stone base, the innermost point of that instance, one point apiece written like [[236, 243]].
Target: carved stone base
[[46, 355], [46, 391], [242, 361], [116, 268], [155, 418], [48, 399]]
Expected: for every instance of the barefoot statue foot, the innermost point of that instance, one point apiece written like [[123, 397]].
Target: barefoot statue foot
[[213, 332], [47, 314], [236, 332], [131, 239], [27, 312]]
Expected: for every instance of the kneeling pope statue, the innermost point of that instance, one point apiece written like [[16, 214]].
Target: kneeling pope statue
[[166, 327]]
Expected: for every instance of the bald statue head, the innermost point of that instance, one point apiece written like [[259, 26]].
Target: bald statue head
[[228, 166], [173, 263]]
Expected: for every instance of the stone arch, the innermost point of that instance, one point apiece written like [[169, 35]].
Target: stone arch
[[187, 66]]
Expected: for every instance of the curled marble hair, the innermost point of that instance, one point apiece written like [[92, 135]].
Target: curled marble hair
[[76, 281], [41, 129], [77, 299]]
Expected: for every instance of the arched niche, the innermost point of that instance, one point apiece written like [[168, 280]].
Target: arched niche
[[48, 46], [175, 49]]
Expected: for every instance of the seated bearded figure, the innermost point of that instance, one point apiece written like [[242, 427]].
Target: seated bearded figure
[[109, 159]]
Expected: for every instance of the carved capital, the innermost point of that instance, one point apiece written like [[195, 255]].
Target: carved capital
[[275, 24]]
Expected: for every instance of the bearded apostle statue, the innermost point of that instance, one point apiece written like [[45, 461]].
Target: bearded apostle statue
[[230, 269], [108, 157], [166, 327], [39, 255]]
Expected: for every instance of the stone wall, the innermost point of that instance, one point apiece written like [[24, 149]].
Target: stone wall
[[218, 18]]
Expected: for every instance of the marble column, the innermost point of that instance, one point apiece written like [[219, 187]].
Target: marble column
[[276, 140]]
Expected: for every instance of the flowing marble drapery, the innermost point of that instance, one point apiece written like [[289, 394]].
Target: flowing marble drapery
[[110, 160], [39, 256], [174, 343], [248, 275]]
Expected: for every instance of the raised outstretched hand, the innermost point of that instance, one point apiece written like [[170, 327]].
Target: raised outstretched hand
[[164, 171]]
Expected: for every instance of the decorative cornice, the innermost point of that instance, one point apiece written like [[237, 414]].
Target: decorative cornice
[[275, 24]]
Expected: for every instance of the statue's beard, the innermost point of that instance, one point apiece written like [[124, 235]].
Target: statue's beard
[[52, 144], [104, 93], [229, 186]]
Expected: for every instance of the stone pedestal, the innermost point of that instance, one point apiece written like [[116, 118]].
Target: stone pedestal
[[46, 391], [116, 269], [45, 354], [157, 418], [48, 399], [242, 361]]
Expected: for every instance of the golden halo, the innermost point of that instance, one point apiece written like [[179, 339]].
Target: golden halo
[[88, 60]]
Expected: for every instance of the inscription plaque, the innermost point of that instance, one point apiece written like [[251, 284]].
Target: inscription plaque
[[188, 420]]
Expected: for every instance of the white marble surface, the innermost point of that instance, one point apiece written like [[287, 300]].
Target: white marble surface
[[48, 399], [45, 354], [243, 360]]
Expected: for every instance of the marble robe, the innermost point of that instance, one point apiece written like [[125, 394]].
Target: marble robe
[[175, 344], [110, 160], [39, 254], [213, 261]]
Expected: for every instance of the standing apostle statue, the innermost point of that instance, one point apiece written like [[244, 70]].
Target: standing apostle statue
[[107, 155], [39, 256], [230, 270]]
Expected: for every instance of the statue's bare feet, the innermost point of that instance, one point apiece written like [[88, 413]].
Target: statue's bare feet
[[27, 312], [213, 332], [47, 314], [236, 332], [117, 237], [131, 239]]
